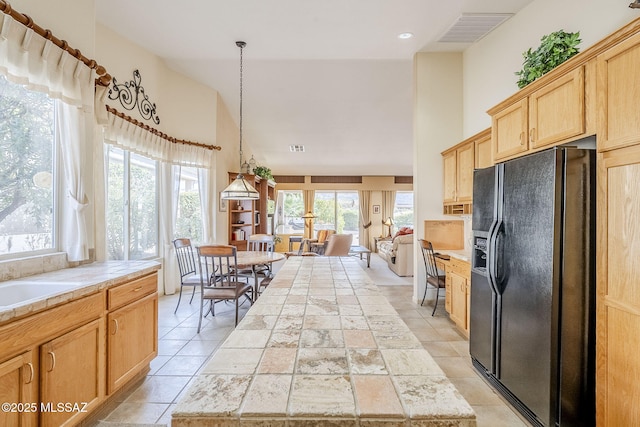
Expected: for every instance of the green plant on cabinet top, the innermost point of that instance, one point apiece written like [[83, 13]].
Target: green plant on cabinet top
[[554, 49], [263, 172]]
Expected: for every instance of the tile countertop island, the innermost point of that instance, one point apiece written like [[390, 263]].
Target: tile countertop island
[[322, 347]]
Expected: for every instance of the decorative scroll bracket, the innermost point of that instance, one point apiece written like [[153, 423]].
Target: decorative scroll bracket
[[131, 94]]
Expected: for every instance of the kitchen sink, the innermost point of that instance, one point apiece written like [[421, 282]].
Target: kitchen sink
[[17, 293]]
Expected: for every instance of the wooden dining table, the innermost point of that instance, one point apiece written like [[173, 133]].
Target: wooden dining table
[[253, 259]]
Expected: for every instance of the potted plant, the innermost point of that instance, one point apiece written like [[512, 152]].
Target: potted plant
[[554, 49], [263, 172]]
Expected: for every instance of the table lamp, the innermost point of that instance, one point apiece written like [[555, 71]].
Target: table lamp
[[389, 223]]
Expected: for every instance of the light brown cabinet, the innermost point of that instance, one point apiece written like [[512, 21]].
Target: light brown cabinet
[[618, 294], [483, 150], [132, 339], [62, 356], [553, 114], [618, 95], [19, 385], [458, 163], [458, 281], [457, 290], [72, 371]]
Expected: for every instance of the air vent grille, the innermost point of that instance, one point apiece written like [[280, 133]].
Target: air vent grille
[[471, 27], [296, 148]]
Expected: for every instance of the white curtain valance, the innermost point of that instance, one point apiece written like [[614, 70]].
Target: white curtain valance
[[129, 136], [29, 59]]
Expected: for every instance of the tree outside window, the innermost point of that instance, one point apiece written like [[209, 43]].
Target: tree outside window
[[132, 206], [337, 210], [189, 217], [27, 172]]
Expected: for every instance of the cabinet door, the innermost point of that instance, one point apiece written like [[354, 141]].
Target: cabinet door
[[72, 371], [557, 110], [132, 340], [618, 89], [458, 300], [449, 165], [618, 293], [19, 384], [447, 293], [509, 130], [483, 153], [464, 173]]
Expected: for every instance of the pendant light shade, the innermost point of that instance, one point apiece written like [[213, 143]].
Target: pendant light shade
[[240, 189]]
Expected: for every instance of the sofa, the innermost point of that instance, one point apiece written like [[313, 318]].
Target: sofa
[[398, 253]]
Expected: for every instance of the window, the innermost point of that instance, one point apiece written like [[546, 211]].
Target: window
[[403, 210], [132, 205], [337, 210], [28, 170], [189, 217], [289, 211]]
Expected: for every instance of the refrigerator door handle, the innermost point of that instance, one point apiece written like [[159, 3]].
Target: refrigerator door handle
[[497, 261], [491, 256]]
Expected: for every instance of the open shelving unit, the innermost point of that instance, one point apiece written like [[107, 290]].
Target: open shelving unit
[[247, 217]]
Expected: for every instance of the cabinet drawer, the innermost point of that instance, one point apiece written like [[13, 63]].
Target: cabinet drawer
[[460, 267], [132, 291]]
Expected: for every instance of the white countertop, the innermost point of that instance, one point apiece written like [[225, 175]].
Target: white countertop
[[463, 255], [322, 346], [85, 280]]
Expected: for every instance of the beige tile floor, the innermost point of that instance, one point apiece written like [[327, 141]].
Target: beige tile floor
[[182, 352]]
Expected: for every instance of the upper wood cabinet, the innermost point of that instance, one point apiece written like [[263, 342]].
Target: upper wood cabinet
[[458, 163], [483, 150], [553, 114], [618, 95], [510, 128]]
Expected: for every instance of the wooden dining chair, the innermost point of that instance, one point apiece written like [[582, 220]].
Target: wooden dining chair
[[219, 278], [435, 276], [261, 243], [189, 276]]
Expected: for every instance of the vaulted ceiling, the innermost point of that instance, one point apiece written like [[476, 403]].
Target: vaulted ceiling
[[331, 75]]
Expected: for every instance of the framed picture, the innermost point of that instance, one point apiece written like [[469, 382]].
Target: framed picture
[[376, 209], [223, 203]]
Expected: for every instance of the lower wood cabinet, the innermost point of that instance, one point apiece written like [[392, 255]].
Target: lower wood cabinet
[[618, 293], [458, 283], [59, 365], [19, 386], [72, 371], [132, 340]]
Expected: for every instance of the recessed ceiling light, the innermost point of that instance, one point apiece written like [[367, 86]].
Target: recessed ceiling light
[[405, 35]]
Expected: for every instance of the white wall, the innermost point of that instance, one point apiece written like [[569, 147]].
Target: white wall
[[490, 64], [437, 126], [70, 20]]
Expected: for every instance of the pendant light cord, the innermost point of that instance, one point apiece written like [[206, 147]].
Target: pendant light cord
[[241, 45]]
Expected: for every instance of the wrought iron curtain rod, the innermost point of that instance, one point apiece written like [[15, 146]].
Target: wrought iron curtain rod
[[158, 133], [104, 79]]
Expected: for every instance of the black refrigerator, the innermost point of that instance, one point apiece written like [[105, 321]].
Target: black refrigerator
[[532, 330]]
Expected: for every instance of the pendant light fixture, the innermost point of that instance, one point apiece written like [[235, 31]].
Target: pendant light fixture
[[240, 189]]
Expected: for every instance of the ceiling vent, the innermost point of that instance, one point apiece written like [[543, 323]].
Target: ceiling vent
[[296, 148], [471, 27]]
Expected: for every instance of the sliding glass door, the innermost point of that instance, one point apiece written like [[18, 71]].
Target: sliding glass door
[[339, 211]]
